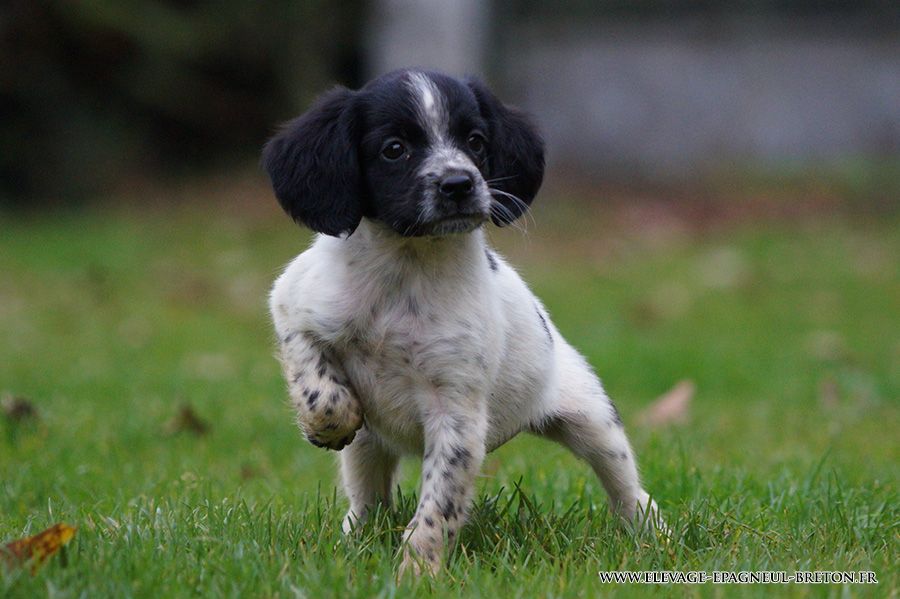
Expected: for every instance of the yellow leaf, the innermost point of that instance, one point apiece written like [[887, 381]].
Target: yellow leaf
[[38, 548], [672, 407]]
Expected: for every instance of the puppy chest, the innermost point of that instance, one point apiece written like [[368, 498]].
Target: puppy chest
[[405, 365]]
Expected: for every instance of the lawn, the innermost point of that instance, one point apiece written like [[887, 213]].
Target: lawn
[[112, 319]]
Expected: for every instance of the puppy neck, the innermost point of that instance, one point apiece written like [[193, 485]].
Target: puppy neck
[[376, 245]]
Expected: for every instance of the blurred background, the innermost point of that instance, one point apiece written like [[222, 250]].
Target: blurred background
[[102, 96]]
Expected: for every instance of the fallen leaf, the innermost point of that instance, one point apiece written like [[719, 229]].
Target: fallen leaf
[[186, 421], [672, 407], [829, 393], [38, 548], [17, 409], [249, 471]]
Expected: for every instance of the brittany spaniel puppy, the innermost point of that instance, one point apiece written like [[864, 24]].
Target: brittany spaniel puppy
[[401, 331]]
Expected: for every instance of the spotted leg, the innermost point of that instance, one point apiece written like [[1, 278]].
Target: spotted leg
[[367, 471], [586, 421], [454, 450], [328, 412]]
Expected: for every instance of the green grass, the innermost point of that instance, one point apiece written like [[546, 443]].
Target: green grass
[[110, 320]]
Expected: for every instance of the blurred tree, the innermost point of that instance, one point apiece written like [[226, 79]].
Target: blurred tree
[[95, 92]]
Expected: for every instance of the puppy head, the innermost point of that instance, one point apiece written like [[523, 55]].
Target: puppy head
[[421, 152]]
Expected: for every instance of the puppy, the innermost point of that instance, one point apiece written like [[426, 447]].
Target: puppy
[[401, 331]]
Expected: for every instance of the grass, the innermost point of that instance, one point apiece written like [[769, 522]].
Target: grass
[[111, 319]]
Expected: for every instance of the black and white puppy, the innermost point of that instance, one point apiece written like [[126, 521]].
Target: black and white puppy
[[401, 331]]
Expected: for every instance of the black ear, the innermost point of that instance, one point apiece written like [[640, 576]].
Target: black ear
[[515, 155], [314, 167]]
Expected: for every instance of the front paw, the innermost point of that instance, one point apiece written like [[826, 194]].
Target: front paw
[[331, 417], [422, 550], [417, 564]]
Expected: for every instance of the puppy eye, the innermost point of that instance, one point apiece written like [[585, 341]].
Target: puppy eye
[[476, 143], [393, 149]]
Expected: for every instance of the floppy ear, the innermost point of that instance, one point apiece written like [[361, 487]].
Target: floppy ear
[[314, 167], [515, 154]]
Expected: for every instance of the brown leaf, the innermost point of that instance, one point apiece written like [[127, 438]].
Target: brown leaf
[[17, 409], [672, 407], [38, 548], [186, 421], [829, 393], [248, 471]]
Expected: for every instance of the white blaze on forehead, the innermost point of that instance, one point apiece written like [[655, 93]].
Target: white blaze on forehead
[[432, 110]]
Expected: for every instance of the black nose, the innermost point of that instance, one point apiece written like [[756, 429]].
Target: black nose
[[457, 187]]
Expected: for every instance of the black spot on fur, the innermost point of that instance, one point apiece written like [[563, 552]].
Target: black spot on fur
[[544, 323], [321, 370], [448, 511], [492, 261], [614, 455], [313, 396], [290, 337], [428, 475], [617, 418], [429, 521], [329, 411], [334, 397], [461, 457]]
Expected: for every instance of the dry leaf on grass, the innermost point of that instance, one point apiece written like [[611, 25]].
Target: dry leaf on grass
[[829, 393], [672, 407], [248, 471], [186, 421], [38, 548], [17, 409]]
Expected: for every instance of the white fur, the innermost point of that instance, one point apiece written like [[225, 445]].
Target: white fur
[[442, 354], [433, 112]]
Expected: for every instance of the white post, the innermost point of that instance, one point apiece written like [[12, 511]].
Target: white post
[[445, 35]]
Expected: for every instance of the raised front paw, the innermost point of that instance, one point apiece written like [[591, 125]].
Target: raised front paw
[[330, 414]]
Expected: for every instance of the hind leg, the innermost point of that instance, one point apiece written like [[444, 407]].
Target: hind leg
[[584, 419]]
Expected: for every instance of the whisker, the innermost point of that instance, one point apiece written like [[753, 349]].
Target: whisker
[[414, 224], [518, 202], [496, 179], [505, 214]]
